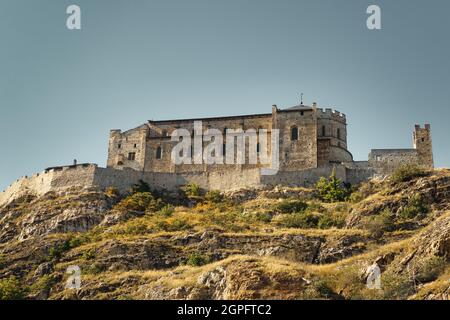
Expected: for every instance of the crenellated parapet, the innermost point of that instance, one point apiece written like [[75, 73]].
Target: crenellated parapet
[[331, 114]]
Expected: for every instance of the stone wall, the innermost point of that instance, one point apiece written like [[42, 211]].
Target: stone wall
[[386, 161], [90, 175], [304, 178], [297, 154], [358, 172]]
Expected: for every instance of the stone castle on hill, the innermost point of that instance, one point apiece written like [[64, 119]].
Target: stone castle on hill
[[310, 138], [311, 142]]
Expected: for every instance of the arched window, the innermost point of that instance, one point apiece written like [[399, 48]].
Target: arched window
[[339, 133], [324, 131], [294, 133], [158, 153]]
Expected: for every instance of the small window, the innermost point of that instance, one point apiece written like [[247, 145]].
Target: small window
[[339, 133], [119, 146], [164, 133], [257, 147], [120, 163], [302, 113], [135, 145], [423, 139], [132, 156], [158, 153], [294, 133], [224, 149], [324, 130], [225, 130]]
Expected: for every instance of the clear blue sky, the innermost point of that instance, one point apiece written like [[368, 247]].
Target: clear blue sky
[[61, 91]]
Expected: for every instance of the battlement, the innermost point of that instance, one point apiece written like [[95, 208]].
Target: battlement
[[427, 126], [331, 114]]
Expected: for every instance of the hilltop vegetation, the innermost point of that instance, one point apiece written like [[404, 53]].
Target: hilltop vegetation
[[281, 243]]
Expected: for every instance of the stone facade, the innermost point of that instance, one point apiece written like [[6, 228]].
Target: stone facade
[[309, 137], [312, 144]]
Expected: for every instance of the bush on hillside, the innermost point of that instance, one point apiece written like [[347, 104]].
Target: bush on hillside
[[192, 190], [290, 206], [415, 208], [140, 187], [10, 289], [332, 189], [298, 220], [407, 173]]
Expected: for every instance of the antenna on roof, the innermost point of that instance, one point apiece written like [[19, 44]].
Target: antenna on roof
[[301, 98]]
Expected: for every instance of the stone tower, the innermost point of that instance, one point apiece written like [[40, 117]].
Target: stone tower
[[422, 143]]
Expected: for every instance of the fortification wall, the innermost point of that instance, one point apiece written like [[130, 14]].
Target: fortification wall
[[38, 184], [358, 171], [89, 175], [304, 178], [386, 161]]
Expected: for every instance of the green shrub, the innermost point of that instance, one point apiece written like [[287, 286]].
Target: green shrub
[[88, 254], [332, 189], [140, 187], [290, 206], [319, 289], [416, 207], [136, 227], [167, 210], [298, 220], [155, 205], [214, 196], [265, 217], [197, 259], [10, 289], [378, 224], [430, 269], [407, 173], [192, 190], [58, 250], [228, 220], [94, 268], [139, 201], [397, 286], [327, 221], [44, 283]]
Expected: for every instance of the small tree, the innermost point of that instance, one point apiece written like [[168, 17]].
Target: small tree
[[141, 186], [10, 289], [192, 190], [332, 189]]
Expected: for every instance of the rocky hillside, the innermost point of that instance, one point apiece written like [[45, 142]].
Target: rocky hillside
[[280, 243]]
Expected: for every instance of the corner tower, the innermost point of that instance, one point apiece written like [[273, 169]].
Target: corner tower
[[423, 145]]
